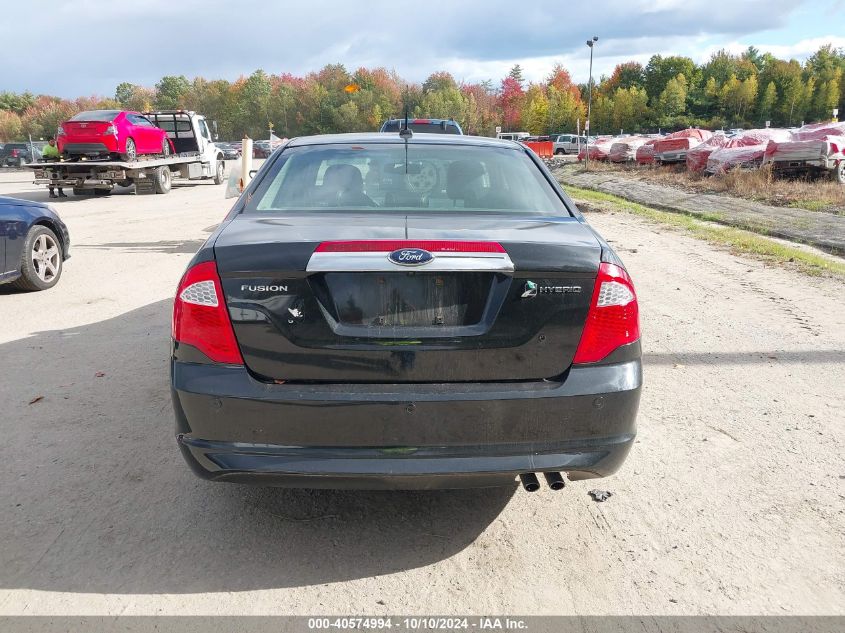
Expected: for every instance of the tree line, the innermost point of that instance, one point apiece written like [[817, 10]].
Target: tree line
[[668, 93]]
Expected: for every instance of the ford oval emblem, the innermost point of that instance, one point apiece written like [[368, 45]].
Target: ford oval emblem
[[410, 257]]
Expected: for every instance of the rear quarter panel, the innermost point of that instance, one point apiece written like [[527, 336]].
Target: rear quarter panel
[[126, 130], [15, 222]]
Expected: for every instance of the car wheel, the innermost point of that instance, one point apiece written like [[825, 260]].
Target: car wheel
[[561, 151], [131, 152], [218, 174], [162, 180], [102, 192], [165, 148], [41, 262]]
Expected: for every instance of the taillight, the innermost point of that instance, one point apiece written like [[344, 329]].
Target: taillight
[[200, 317], [613, 319], [111, 129], [14, 153], [60, 131]]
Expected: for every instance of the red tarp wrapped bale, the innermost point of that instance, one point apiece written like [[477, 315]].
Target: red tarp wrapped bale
[[673, 147], [645, 152], [811, 142], [624, 150], [819, 131], [745, 150], [697, 156], [599, 149]]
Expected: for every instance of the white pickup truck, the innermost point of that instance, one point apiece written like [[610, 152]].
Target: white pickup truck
[[513, 136], [568, 143], [195, 158]]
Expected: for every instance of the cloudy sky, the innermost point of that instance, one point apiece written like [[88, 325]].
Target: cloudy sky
[[81, 47]]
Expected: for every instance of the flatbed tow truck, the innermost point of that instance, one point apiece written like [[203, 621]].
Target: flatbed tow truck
[[196, 158]]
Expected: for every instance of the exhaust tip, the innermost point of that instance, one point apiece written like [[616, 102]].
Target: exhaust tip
[[555, 481], [529, 482]]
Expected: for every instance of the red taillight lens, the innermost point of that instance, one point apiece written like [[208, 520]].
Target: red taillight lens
[[200, 317], [14, 153], [435, 246], [614, 318]]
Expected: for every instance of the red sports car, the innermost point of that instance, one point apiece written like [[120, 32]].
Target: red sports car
[[115, 133]]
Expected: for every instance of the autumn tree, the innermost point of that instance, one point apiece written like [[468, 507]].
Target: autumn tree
[[515, 73], [671, 103], [737, 97], [536, 117], [768, 101], [625, 75], [170, 91], [630, 109], [11, 128], [660, 70], [511, 98]]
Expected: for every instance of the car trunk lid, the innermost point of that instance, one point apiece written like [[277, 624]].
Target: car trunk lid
[[325, 297], [85, 129]]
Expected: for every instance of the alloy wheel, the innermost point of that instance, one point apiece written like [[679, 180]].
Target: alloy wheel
[[46, 258]]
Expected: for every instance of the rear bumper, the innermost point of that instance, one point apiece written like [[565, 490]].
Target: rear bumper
[[89, 148], [231, 427]]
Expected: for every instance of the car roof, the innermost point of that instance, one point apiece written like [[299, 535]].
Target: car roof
[[392, 138], [422, 120]]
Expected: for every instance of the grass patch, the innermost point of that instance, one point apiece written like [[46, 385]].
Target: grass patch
[[810, 205], [738, 240]]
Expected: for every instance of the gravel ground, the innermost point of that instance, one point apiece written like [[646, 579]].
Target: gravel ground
[[731, 502]]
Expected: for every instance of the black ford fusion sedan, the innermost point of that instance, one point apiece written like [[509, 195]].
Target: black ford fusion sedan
[[34, 243], [387, 312]]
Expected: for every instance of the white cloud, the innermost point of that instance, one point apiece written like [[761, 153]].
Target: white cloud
[[474, 39]]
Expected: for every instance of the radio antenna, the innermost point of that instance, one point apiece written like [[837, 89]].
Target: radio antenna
[[405, 133]]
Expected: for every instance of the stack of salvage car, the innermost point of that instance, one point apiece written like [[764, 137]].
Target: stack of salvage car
[[746, 150], [673, 148], [598, 149], [625, 149], [645, 152], [817, 147], [814, 149]]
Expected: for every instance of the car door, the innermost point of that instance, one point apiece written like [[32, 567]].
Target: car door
[[204, 140], [141, 133], [14, 223], [154, 136], [3, 231]]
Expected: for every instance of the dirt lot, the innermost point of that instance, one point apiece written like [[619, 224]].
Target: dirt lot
[[730, 503]]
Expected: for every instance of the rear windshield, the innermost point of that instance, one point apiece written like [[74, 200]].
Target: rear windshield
[[439, 127], [435, 178], [96, 115]]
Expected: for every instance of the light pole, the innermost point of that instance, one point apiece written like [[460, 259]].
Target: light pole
[[590, 43]]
